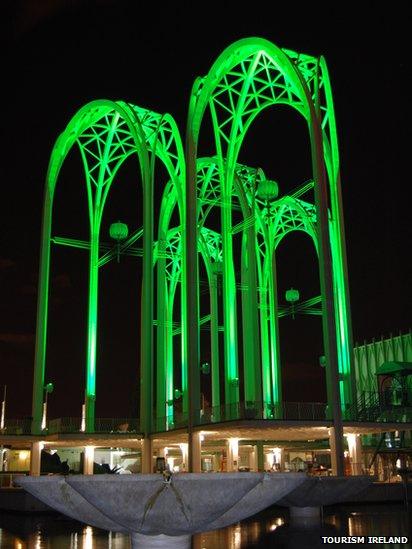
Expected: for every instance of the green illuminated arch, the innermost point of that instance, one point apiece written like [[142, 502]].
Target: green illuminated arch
[[107, 133], [169, 260], [248, 77]]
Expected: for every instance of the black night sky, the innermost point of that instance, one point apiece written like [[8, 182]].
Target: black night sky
[[61, 54]]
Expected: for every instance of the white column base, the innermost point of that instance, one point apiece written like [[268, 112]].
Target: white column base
[[35, 458], [147, 456], [196, 447], [88, 461]]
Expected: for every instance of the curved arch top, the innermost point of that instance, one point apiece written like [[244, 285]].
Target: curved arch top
[[251, 50], [138, 130], [107, 133]]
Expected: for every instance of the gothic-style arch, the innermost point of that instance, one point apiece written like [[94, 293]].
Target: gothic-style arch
[[249, 76], [107, 133]]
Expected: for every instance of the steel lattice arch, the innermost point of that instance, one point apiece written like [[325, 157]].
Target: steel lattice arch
[[247, 78]]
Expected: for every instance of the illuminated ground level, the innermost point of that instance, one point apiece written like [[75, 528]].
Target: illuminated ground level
[[245, 445]]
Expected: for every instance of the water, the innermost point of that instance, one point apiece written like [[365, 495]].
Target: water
[[270, 528]]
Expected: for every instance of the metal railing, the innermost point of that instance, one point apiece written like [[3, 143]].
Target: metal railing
[[381, 407], [71, 425], [371, 406], [16, 427], [177, 421], [287, 411]]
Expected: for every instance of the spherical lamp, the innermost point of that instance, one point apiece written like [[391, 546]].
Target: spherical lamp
[[118, 231]]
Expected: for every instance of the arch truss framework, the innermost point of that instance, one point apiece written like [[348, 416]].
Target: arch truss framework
[[249, 76]]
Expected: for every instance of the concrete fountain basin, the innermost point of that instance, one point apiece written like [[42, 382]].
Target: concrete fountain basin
[[319, 491], [158, 512], [150, 506], [305, 503]]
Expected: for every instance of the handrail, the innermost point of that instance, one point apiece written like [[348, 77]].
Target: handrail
[[249, 410], [71, 425], [370, 406]]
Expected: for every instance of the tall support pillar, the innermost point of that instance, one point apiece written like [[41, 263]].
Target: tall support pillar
[[190, 274], [229, 304], [326, 284], [274, 338], [146, 349], [35, 458], [42, 313], [185, 369], [340, 261], [264, 334], [214, 343], [147, 456], [251, 349], [343, 323], [90, 393], [161, 337], [170, 415]]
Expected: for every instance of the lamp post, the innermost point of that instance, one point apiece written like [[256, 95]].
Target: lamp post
[[2, 423], [205, 368], [3, 409], [119, 232], [292, 296], [267, 190], [47, 389]]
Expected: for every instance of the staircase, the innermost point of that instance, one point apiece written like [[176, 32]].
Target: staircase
[[374, 406]]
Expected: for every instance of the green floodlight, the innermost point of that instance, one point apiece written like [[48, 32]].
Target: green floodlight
[[49, 388]]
